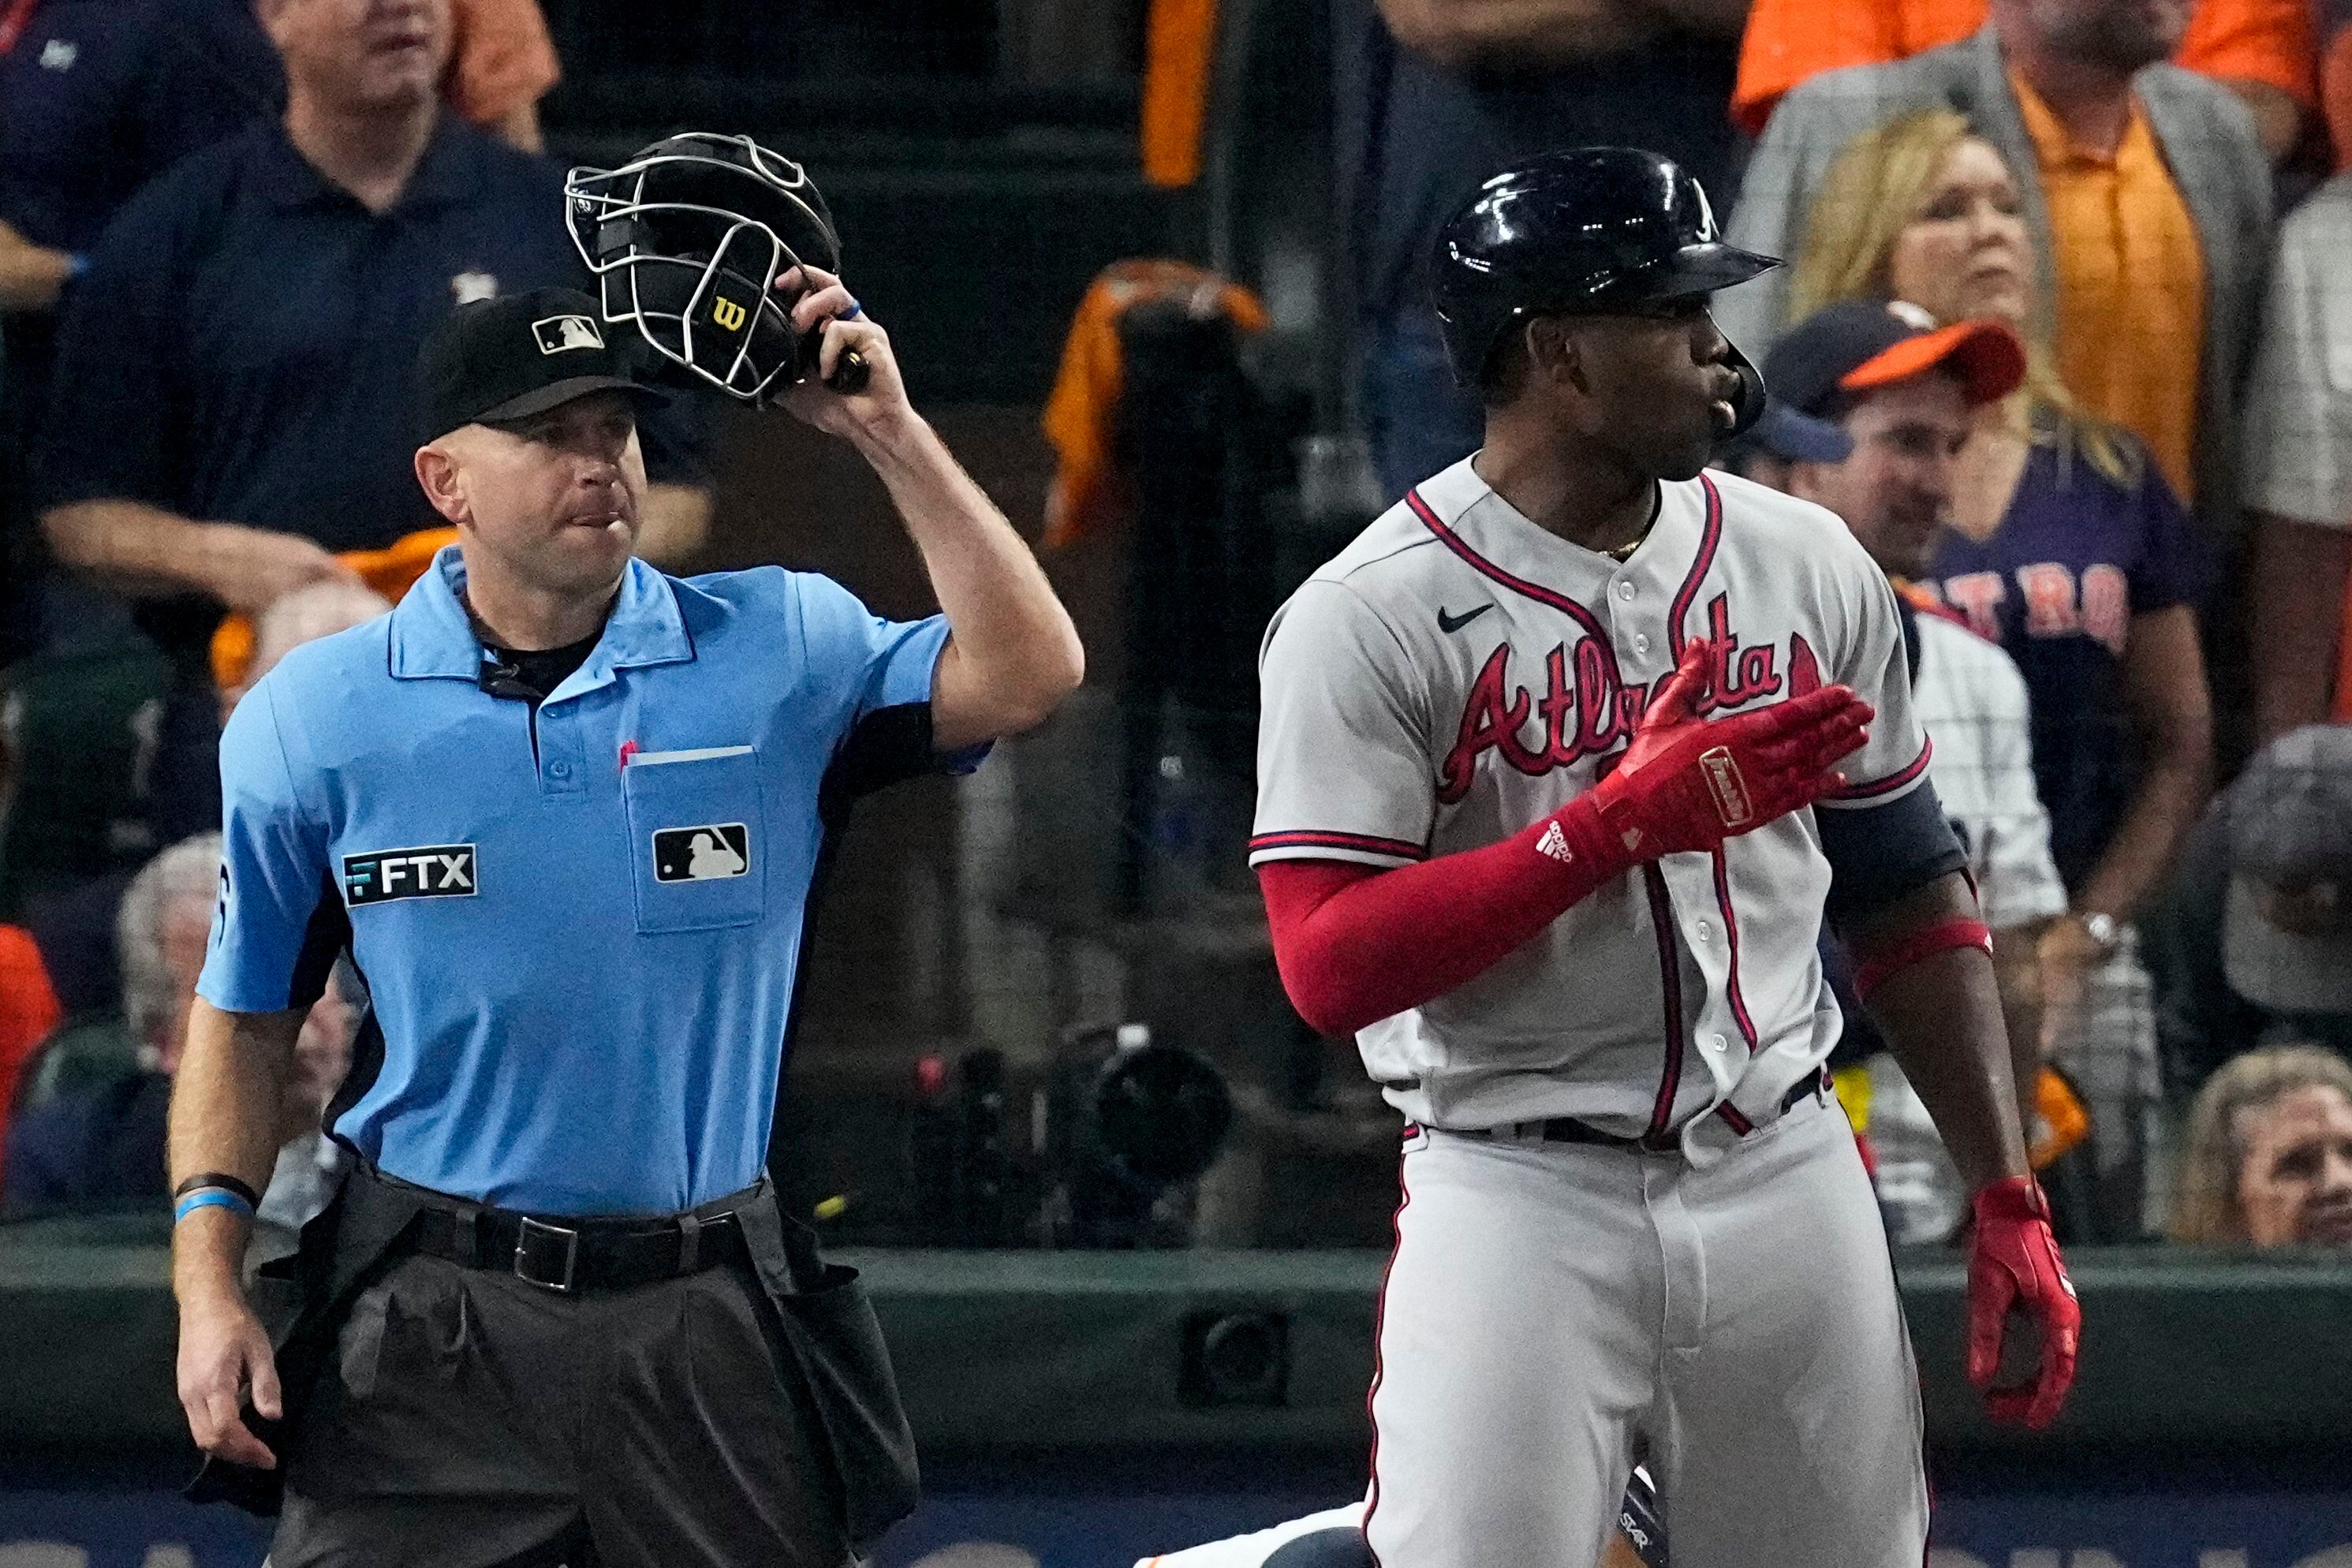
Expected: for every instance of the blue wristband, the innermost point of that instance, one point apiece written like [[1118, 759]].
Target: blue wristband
[[210, 1197]]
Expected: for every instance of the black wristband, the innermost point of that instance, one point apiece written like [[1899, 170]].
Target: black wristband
[[226, 1183]]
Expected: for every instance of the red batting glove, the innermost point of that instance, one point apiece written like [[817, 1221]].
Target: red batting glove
[[1687, 784], [2013, 1264]]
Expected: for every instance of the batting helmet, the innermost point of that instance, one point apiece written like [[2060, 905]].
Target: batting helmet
[[1588, 230], [688, 238]]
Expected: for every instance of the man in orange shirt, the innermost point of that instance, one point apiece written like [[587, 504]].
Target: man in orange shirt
[[2262, 51], [2130, 306], [2144, 188]]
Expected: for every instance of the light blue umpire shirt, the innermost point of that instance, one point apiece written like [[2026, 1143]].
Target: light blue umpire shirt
[[579, 924]]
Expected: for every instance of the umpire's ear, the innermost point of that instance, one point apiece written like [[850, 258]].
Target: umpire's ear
[[441, 474]]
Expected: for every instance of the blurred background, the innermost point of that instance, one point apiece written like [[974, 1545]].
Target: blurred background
[[1153, 269]]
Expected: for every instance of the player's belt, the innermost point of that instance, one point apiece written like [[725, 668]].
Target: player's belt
[[567, 1255], [1569, 1130]]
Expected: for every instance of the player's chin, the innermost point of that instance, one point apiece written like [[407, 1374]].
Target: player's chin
[[1685, 460], [1702, 430]]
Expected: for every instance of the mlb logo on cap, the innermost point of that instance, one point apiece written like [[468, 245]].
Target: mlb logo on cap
[[556, 334], [514, 356]]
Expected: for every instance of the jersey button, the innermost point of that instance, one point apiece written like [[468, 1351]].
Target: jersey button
[[1641, 643], [1717, 1042], [1624, 590], [559, 770], [1706, 932]]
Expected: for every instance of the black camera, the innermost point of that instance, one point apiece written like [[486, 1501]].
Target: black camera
[[1103, 1150]]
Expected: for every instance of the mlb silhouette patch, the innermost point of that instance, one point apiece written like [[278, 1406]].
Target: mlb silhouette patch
[[710, 854], [558, 334]]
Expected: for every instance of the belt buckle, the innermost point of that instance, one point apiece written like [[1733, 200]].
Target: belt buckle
[[534, 1242]]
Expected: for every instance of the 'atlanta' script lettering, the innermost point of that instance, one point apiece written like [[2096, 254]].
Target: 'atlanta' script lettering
[[1588, 709]]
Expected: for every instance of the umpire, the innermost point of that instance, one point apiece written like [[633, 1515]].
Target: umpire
[[563, 811]]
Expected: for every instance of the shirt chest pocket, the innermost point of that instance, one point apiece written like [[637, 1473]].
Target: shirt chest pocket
[[698, 838]]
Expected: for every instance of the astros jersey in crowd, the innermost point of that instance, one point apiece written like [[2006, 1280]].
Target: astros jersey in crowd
[[1435, 640], [2076, 558], [649, 833]]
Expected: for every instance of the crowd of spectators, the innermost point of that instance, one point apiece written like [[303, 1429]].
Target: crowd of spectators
[[2062, 542], [87, 1122], [2043, 343], [226, 226]]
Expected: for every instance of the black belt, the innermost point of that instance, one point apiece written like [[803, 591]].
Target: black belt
[[1569, 1130], [569, 1255]]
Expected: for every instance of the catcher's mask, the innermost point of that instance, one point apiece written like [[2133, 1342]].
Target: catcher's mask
[[688, 238]]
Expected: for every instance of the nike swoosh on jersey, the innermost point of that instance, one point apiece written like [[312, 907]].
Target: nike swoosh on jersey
[[1446, 623]]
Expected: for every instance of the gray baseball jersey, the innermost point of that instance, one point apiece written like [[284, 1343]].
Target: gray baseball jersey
[[1457, 673]]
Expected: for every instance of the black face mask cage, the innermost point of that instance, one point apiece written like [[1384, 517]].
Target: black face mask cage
[[697, 278]]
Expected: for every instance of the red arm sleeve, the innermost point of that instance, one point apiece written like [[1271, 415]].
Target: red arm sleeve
[[1356, 944]]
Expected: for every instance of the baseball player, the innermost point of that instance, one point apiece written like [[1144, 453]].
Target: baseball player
[[1562, 765]]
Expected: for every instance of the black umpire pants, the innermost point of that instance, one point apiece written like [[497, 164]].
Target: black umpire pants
[[471, 1419]]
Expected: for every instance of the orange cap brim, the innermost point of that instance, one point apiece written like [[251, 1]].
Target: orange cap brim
[[1988, 354]]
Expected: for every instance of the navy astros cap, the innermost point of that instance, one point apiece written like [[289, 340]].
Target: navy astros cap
[[510, 358], [1858, 345]]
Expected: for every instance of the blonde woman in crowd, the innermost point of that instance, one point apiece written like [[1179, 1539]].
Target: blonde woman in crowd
[[2067, 547], [2268, 1157]]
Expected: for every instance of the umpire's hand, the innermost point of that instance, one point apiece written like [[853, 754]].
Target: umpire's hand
[[224, 1351], [821, 303]]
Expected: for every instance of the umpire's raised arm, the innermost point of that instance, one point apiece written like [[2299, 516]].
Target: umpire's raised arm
[[1012, 653]]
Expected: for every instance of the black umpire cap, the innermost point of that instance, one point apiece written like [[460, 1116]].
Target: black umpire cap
[[510, 358]]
